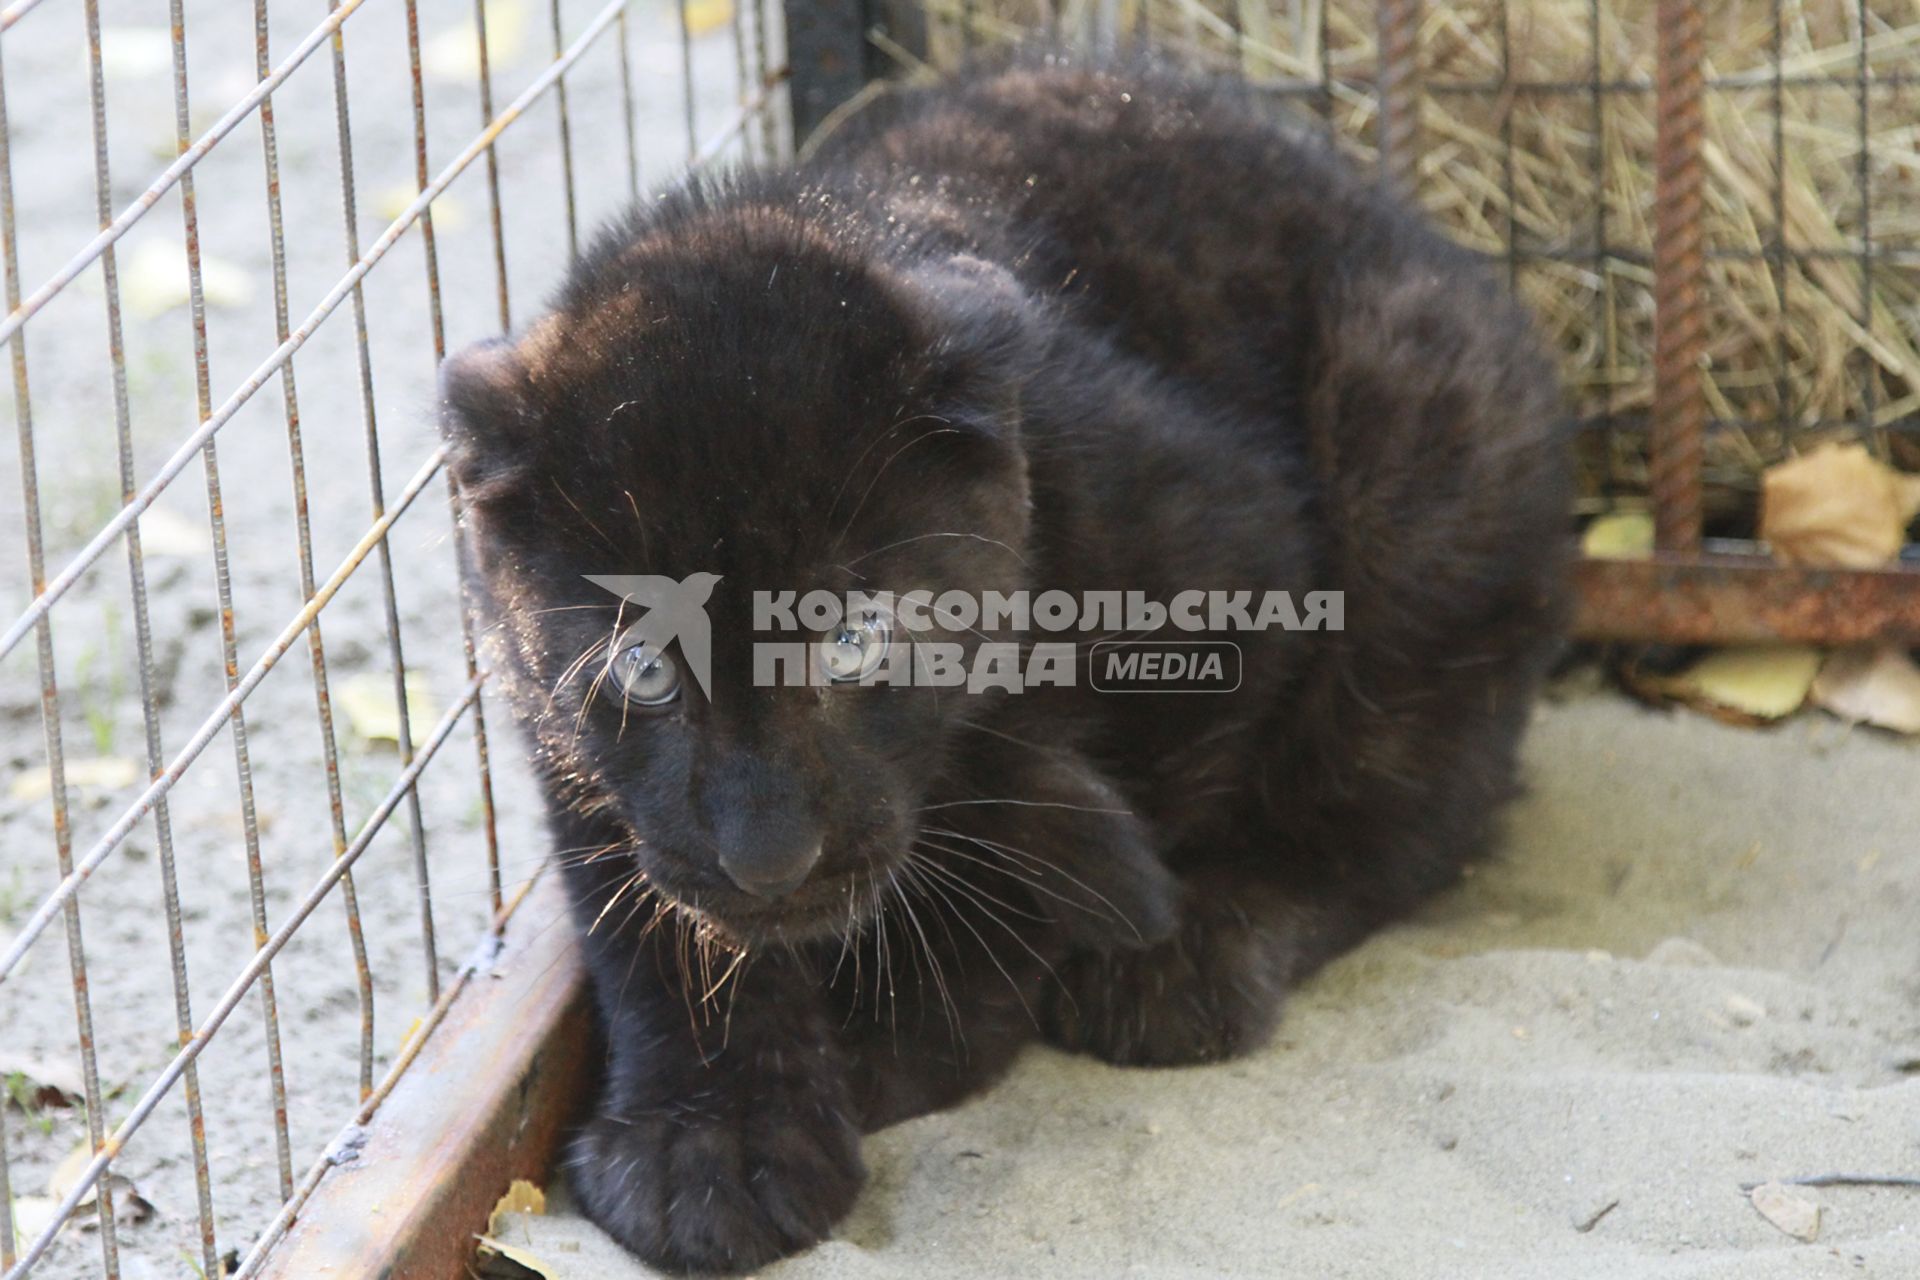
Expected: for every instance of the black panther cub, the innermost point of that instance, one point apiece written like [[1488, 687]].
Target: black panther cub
[[1045, 329]]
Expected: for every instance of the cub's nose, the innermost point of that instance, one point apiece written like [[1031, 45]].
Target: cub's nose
[[770, 873]]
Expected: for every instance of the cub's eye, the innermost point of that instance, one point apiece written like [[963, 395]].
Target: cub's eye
[[645, 675], [857, 649]]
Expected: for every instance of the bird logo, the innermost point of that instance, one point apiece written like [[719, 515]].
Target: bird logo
[[672, 609]]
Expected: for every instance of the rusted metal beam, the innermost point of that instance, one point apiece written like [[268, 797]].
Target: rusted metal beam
[[485, 1101], [1743, 600]]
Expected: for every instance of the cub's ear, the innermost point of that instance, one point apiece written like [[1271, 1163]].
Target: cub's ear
[[486, 410], [976, 317]]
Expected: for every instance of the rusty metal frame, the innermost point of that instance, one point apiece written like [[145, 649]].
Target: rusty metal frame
[[1682, 596], [1685, 599], [481, 1097]]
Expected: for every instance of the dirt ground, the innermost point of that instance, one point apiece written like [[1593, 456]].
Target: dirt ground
[[73, 416]]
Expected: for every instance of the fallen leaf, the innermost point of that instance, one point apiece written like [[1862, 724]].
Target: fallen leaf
[[704, 16], [1876, 686], [31, 1214], [1791, 1209], [129, 53], [35, 1084], [1838, 505], [522, 1258], [68, 1171], [154, 279], [368, 701], [130, 1208], [455, 54], [165, 532], [1764, 682], [1620, 535], [448, 213], [522, 1197], [101, 773]]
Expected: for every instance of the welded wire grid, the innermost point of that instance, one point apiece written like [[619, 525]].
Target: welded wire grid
[[670, 86], [1664, 424]]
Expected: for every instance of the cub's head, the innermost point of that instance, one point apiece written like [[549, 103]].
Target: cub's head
[[731, 412]]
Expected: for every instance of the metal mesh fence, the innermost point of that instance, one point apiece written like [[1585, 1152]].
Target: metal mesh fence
[[1755, 158], [192, 802]]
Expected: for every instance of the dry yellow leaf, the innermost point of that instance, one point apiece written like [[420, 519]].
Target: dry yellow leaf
[[704, 16], [368, 701], [154, 279], [134, 53], [406, 1037], [1876, 686], [96, 773], [31, 1214], [1763, 681], [1791, 1209], [1837, 506], [448, 213], [1619, 535], [539, 1266], [454, 54], [522, 1197], [165, 532]]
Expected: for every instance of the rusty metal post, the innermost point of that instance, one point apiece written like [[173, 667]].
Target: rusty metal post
[[1676, 449], [1400, 91]]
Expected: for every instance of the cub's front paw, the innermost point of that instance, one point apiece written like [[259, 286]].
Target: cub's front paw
[[1211, 991], [718, 1186]]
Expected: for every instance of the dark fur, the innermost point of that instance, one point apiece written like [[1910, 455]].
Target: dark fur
[[1117, 330]]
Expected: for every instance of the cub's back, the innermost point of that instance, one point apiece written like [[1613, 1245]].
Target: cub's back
[[1191, 220]]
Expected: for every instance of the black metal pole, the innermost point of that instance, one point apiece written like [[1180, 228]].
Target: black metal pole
[[826, 57]]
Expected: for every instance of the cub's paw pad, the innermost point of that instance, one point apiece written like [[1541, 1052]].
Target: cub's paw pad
[[1210, 992], [696, 1190]]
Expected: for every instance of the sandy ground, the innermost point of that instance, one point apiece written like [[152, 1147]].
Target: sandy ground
[[122, 921], [1692, 965]]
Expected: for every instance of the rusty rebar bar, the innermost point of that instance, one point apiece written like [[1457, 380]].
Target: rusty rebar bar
[[63, 901], [230, 663], [628, 121], [484, 75], [1676, 448], [89, 1180], [303, 620], [49, 691], [16, 11], [290, 397], [390, 606], [1400, 91], [566, 133], [435, 314]]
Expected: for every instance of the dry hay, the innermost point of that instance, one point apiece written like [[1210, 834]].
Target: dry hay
[[1581, 166]]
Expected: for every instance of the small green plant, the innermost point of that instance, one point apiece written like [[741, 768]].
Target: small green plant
[[98, 698], [23, 1093], [12, 894]]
